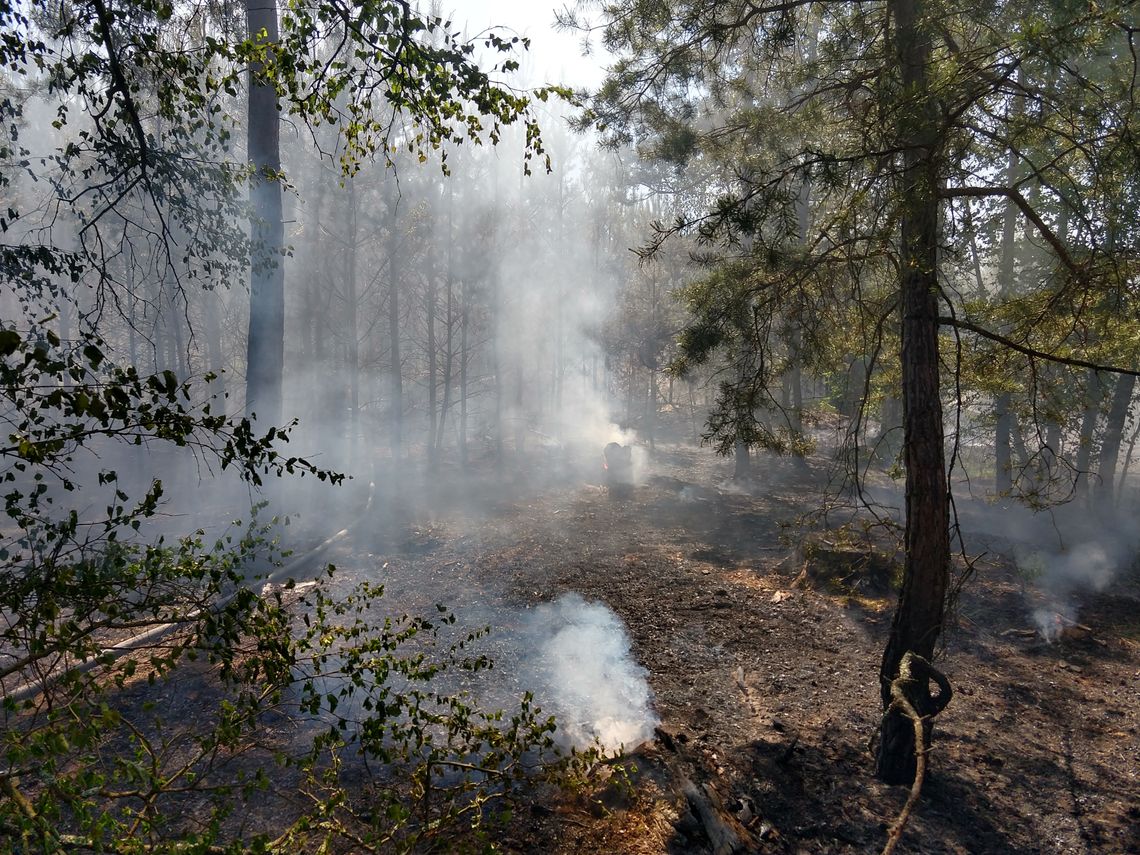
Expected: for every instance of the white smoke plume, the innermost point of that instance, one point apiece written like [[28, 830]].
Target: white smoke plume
[[583, 672], [1084, 565]]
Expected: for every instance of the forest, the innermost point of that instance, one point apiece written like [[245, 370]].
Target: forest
[[411, 449]]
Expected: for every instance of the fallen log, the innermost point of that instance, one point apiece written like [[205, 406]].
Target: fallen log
[[725, 834]]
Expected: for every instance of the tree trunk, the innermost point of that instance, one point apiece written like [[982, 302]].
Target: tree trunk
[[795, 336], [464, 356], [560, 309], [1094, 394], [431, 300], [742, 457], [1128, 458], [1003, 459], [518, 427], [497, 371], [352, 339], [918, 617], [630, 391], [449, 332], [214, 353], [890, 422], [395, 368], [1048, 468], [693, 414], [651, 409], [265, 348], [1113, 437]]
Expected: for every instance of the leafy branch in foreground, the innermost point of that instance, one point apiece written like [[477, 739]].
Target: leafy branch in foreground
[[145, 683], [387, 698]]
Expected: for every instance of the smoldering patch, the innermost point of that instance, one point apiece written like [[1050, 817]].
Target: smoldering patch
[[583, 672]]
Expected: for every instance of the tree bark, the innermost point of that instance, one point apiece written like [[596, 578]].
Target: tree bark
[[918, 617], [265, 348]]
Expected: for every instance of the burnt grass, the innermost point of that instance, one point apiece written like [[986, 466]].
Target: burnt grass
[[763, 663]]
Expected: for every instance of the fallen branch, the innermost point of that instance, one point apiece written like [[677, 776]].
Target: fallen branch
[[159, 631], [1020, 633]]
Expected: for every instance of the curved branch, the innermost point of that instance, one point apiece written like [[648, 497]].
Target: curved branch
[[1033, 352]]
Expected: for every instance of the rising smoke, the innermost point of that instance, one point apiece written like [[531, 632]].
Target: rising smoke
[[584, 673], [1060, 554]]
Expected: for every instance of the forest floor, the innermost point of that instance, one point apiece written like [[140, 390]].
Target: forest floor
[[762, 636]]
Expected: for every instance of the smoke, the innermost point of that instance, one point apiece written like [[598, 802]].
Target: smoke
[[1085, 566], [573, 656], [583, 672], [1052, 620], [1059, 577], [1087, 556]]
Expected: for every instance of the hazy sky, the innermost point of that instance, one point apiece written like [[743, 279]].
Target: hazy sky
[[554, 57]]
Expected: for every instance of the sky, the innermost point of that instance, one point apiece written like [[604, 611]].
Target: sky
[[554, 56]]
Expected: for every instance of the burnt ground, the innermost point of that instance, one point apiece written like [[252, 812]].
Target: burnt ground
[[760, 625], [763, 664]]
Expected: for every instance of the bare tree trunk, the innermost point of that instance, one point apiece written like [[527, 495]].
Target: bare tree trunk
[[132, 319], [496, 350], [975, 255], [464, 357], [448, 366], [395, 369], [1094, 394], [431, 299], [1113, 437], [1128, 458], [1020, 455], [265, 349], [213, 318], [177, 321], [352, 338], [559, 308], [890, 421], [497, 371], [1053, 435], [630, 391], [693, 413], [449, 347], [651, 408], [1003, 460], [795, 337], [918, 617], [742, 461], [519, 427]]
